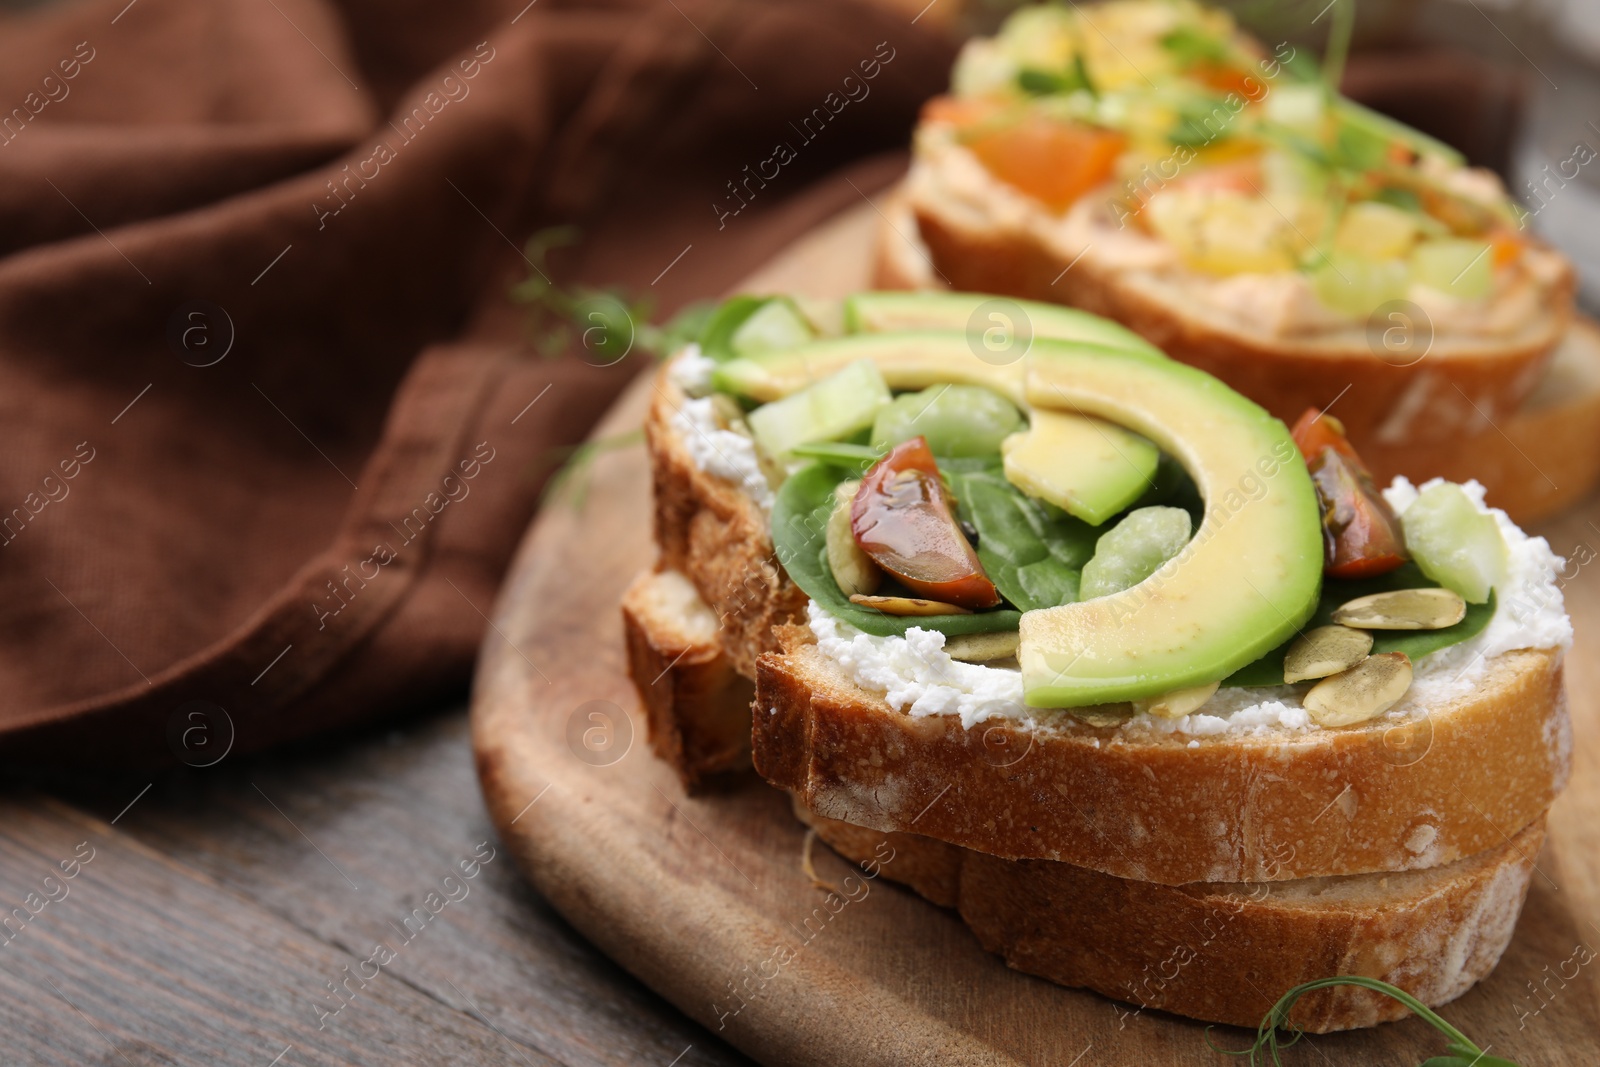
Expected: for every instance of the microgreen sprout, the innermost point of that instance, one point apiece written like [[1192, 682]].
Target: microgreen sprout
[[1461, 1051]]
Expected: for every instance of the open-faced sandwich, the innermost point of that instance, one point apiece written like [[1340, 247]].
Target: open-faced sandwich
[[1147, 161], [1167, 698]]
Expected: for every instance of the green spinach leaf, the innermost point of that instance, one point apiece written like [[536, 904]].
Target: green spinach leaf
[[1034, 553]]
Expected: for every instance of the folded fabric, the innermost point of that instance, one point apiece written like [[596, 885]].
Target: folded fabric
[[273, 426]]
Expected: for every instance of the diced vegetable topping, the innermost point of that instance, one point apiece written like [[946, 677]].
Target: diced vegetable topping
[[776, 324], [852, 568], [1053, 162], [903, 519], [1459, 267], [1134, 549], [1360, 534], [1151, 99], [956, 420], [839, 405], [1455, 543]]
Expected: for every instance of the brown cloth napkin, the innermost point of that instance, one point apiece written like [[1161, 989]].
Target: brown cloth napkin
[[272, 429]]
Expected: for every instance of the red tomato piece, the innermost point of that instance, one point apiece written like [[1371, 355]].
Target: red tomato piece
[[1051, 160], [1361, 537], [902, 517], [1315, 431]]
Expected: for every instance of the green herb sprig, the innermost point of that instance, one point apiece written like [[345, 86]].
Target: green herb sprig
[[607, 321], [1461, 1050]]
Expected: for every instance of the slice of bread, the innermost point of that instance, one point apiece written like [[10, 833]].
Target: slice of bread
[[711, 531], [1536, 459], [983, 236], [1216, 951], [1181, 949], [697, 706], [1167, 807], [1154, 809]]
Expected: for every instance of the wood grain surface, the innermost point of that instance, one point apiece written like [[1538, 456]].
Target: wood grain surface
[[213, 913], [700, 897]]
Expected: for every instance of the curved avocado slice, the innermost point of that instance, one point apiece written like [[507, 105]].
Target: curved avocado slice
[[887, 312], [908, 360], [1247, 580]]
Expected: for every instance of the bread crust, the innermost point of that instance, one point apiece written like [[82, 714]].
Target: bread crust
[[1536, 459], [1153, 808], [1183, 949], [708, 529], [697, 707]]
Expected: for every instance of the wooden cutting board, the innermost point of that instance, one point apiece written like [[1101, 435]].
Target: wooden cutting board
[[695, 895]]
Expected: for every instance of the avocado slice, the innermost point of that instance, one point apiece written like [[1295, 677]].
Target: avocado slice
[[910, 360], [888, 312], [1088, 467], [1247, 580]]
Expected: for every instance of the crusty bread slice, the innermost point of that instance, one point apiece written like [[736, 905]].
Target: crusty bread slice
[[1182, 949], [1216, 951], [696, 705], [1155, 809], [709, 530], [1167, 807], [983, 236], [1535, 460]]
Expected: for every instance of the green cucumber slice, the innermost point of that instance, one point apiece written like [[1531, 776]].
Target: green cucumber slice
[[956, 420], [775, 325], [1462, 268], [1134, 549], [839, 405], [1454, 543]]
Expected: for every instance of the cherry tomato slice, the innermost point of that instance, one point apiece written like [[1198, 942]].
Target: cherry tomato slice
[[1360, 535], [1049, 159], [1315, 431], [1227, 79], [902, 518]]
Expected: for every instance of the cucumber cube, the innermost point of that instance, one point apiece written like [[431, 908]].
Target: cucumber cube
[[1356, 285], [1374, 230], [1455, 543], [1461, 268], [775, 325], [839, 405]]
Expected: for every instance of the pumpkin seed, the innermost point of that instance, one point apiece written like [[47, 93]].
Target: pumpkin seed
[[1324, 651], [982, 648], [728, 414], [907, 605], [1404, 609], [852, 568], [1102, 714], [1365, 691], [1178, 703]]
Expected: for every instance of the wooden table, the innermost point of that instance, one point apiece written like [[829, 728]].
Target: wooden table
[[214, 913], [221, 904]]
